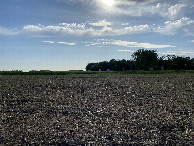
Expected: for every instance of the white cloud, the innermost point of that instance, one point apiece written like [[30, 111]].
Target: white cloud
[[139, 45], [148, 45], [103, 28], [66, 43], [178, 52], [134, 29], [192, 41], [118, 2], [73, 25], [132, 2], [131, 51], [59, 30], [174, 11], [167, 53], [84, 29], [50, 42], [33, 28], [127, 44], [169, 11], [100, 23], [171, 27], [125, 24], [186, 52], [142, 9]]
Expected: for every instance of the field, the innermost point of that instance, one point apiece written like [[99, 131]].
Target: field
[[99, 109]]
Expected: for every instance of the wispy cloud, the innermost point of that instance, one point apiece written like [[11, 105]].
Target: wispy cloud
[[168, 9], [101, 42], [66, 43], [192, 41], [172, 10], [8, 32], [139, 45], [131, 51], [186, 52], [50, 42], [134, 2], [178, 52], [61, 30]]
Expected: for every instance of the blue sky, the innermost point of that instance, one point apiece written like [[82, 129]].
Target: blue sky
[[68, 34]]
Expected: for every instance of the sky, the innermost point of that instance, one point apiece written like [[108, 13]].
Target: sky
[[62, 35]]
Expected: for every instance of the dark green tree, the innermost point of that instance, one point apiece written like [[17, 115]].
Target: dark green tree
[[92, 67], [192, 63], [104, 65], [122, 64], [145, 59], [181, 63], [113, 65]]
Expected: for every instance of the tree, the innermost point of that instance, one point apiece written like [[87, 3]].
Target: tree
[[145, 59], [192, 63], [104, 65], [179, 63], [92, 67], [113, 65]]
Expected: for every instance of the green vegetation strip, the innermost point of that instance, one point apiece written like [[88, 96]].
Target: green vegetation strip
[[95, 72]]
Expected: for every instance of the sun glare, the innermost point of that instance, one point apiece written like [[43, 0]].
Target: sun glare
[[108, 3]]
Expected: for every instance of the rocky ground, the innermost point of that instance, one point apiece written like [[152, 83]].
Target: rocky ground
[[97, 109]]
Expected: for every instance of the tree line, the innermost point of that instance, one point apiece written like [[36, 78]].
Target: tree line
[[144, 60]]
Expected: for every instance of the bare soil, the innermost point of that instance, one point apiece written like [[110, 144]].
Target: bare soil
[[97, 109]]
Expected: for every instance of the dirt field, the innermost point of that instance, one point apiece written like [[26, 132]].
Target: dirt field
[[97, 109]]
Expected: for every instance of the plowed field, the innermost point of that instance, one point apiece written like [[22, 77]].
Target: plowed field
[[97, 109]]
